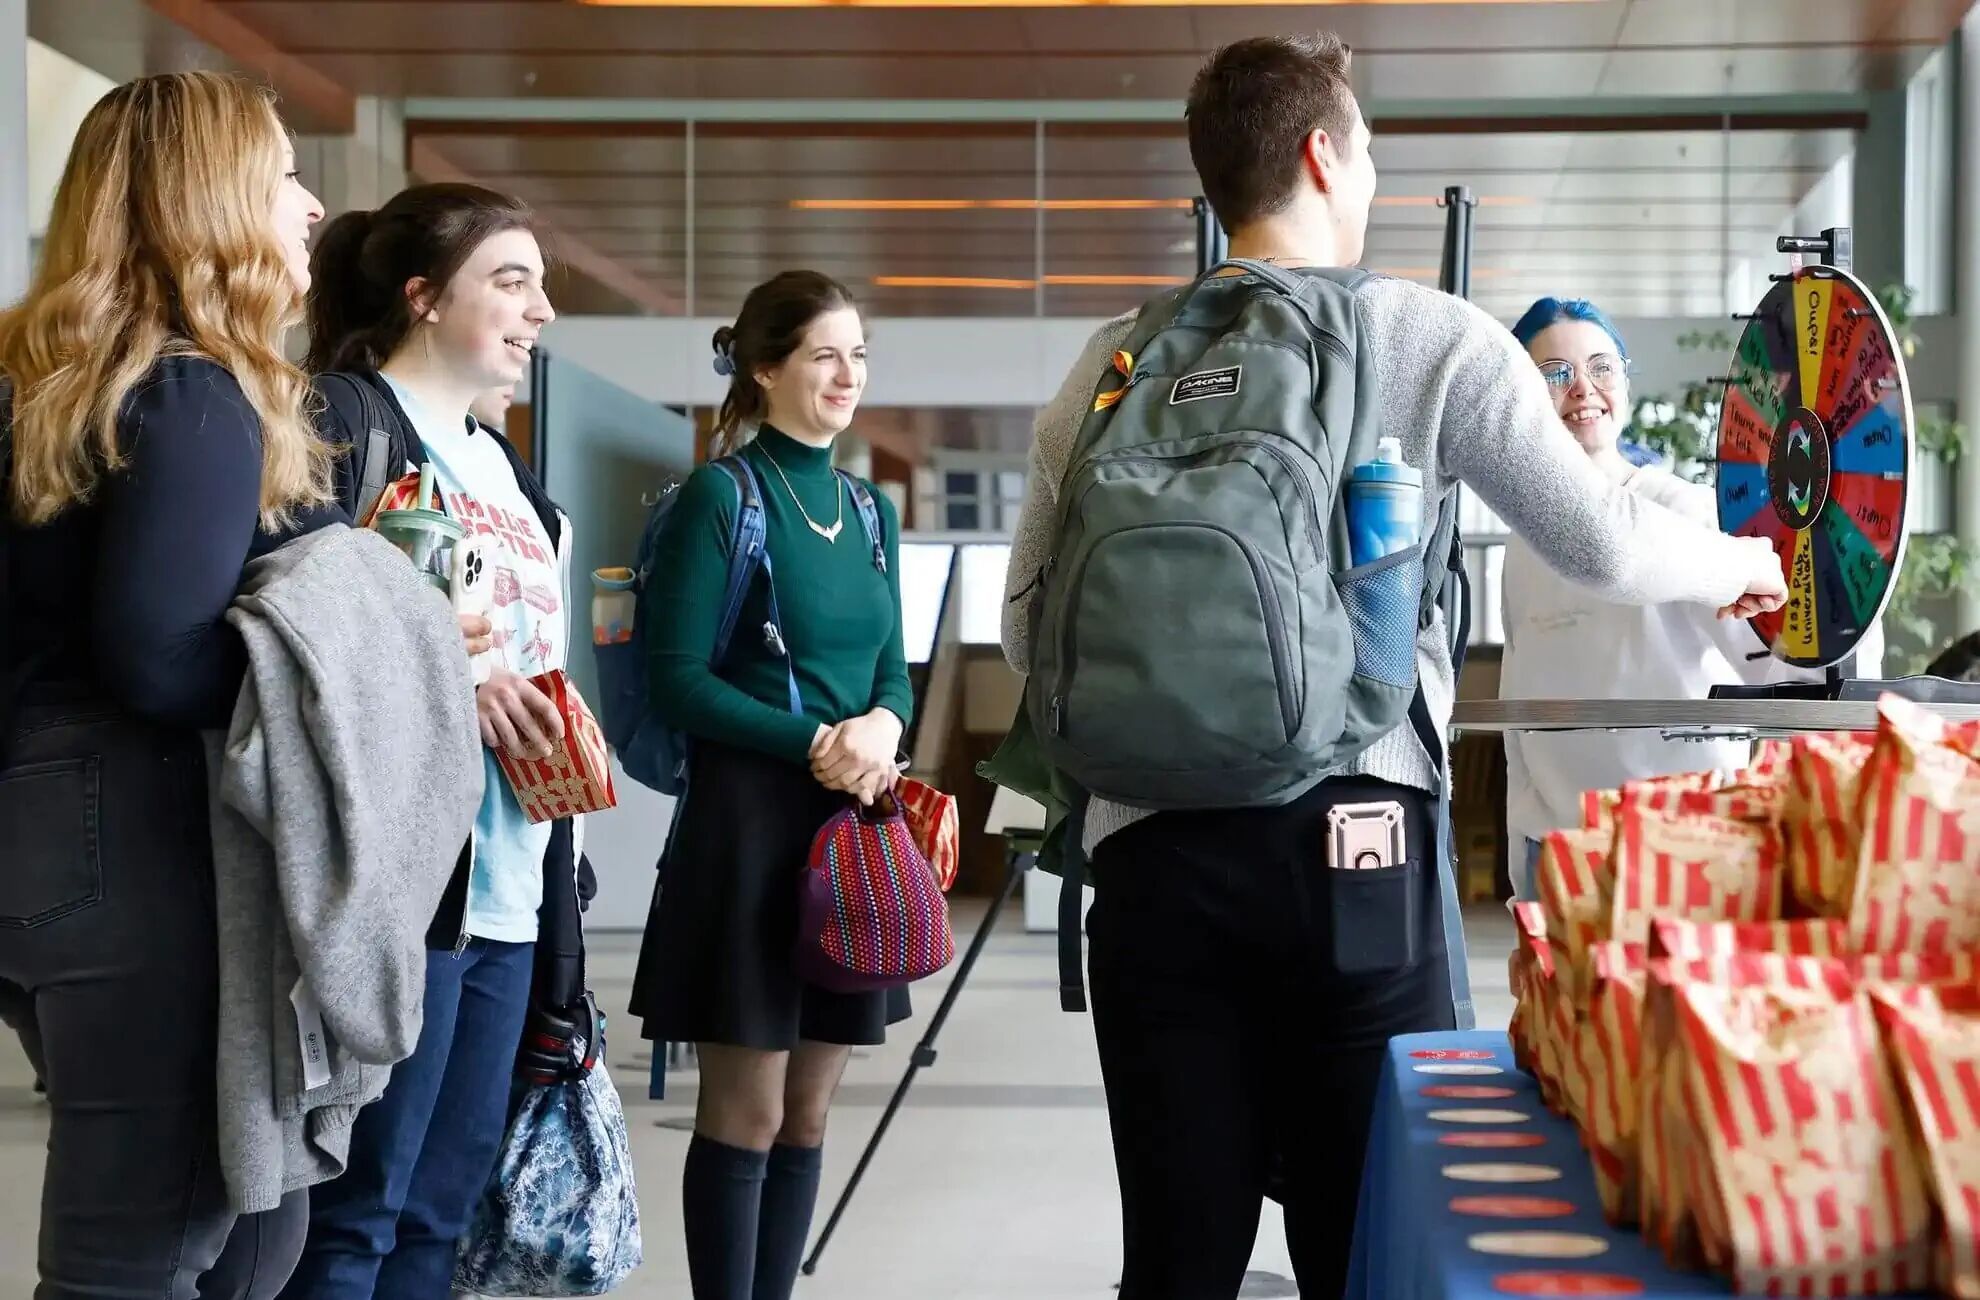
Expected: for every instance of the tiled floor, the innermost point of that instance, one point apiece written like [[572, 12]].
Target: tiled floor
[[995, 1181]]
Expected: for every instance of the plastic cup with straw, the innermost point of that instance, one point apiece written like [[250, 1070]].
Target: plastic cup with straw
[[426, 536]]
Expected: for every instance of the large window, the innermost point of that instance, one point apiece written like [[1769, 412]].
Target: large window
[[970, 498], [1930, 172]]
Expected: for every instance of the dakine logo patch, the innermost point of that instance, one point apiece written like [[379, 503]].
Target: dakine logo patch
[[1206, 383]]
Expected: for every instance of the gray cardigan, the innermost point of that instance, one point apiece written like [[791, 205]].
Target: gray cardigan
[[1469, 407], [340, 795]]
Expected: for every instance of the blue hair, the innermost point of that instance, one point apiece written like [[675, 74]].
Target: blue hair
[[1552, 311]]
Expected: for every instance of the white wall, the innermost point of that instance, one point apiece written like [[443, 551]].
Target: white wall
[[60, 93], [1828, 202]]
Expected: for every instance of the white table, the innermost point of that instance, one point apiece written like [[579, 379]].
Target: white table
[[1678, 719]]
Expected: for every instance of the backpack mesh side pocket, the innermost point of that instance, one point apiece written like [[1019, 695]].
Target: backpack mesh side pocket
[[1382, 599]]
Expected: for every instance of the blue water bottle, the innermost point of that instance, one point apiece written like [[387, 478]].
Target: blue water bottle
[[1384, 505]]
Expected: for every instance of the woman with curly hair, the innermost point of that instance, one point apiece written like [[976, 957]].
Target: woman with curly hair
[[158, 443]]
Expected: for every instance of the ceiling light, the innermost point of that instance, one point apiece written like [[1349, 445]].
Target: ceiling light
[[1111, 281], [949, 282]]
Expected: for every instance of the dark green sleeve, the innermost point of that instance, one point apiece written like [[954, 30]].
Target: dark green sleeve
[[891, 690], [690, 573]]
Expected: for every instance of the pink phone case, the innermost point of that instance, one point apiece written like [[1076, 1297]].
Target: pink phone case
[[1365, 836]]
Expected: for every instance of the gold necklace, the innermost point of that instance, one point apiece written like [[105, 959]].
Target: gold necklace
[[829, 534]]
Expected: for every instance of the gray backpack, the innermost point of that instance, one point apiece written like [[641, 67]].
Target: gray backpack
[[1199, 639]]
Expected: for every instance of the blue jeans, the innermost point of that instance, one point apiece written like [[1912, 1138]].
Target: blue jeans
[[421, 1155], [1526, 875]]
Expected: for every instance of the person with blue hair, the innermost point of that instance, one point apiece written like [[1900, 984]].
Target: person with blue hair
[[1548, 312], [1565, 642]]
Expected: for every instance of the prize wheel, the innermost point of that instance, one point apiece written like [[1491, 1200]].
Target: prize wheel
[[1814, 452]]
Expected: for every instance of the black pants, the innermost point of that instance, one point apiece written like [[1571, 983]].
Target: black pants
[[17, 1013], [106, 922], [1242, 995]]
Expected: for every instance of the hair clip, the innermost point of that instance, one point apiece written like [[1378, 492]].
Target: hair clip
[[725, 360]]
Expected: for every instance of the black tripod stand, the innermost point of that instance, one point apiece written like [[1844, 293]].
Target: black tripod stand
[[1017, 863]]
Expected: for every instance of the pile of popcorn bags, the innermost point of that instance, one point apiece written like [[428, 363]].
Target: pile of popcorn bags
[[1759, 1001]]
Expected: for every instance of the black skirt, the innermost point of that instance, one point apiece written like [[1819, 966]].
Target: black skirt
[[716, 964]]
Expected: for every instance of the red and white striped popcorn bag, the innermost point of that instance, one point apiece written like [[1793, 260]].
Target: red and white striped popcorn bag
[[1673, 1207], [1686, 940], [1615, 1017], [1812, 1173], [1917, 886], [1545, 1016], [1825, 773], [1692, 866], [577, 777], [1574, 890], [1523, 975], [1599, 807], [1737, 801], [931, 818], [1934, 1037], [402, 493], [1665, 1137], [1769, 764], [1575, 880]]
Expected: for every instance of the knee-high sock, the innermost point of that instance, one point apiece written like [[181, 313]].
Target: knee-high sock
[[721, 1199], [790, 1191]]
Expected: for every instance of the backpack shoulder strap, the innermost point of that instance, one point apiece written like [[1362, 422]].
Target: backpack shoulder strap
[[1447, 587], [371, 443], [869, 517], [747, 551], [1445, 583]]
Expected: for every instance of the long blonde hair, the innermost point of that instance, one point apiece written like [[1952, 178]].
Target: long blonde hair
[[161, 243]]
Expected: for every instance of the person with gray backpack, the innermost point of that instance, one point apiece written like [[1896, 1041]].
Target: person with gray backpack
[[1226, 592]]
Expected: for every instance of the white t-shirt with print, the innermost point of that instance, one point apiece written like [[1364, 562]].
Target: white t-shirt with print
[[531, 635]]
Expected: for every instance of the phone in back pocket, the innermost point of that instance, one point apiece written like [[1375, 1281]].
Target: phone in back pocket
[[1365, 836], [1371, 889]]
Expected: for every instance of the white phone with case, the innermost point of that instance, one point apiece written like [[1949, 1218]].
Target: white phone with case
[[471, 588]]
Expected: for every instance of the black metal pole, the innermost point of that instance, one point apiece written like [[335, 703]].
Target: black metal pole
[[1454, 275], [1835, 247], [1213, 245], [924, 1054], [539, 414]]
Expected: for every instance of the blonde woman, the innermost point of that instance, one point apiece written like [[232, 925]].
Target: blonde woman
[[158, 443]]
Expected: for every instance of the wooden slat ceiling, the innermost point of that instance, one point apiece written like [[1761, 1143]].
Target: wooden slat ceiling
[[1404, 51], [1560, 204]]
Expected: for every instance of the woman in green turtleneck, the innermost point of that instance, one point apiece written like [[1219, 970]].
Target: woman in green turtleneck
[[716, 967]]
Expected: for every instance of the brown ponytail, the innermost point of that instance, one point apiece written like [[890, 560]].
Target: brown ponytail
[[769, 328]]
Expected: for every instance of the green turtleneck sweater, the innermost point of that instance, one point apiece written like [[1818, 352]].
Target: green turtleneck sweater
[[841, 617]]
